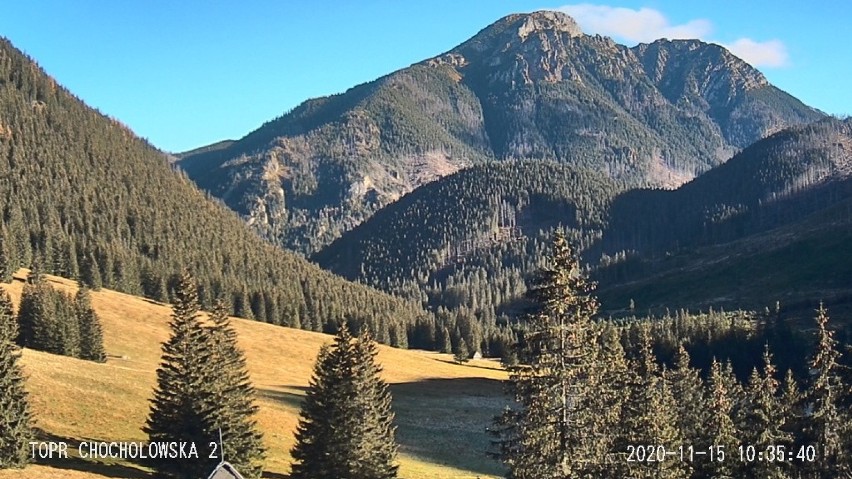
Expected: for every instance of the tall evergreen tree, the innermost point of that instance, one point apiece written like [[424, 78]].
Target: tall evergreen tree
[[462, 354], [609, 402], [445, 343], [346, 425], [825, 423], [550, 433], [762, 421], [720, 430], [67, 322], [182, 408], [378, 423], [15, 417], [233, 399], [91, 332], [6, 260], [791, 403], [31, 316], [687, 389], [650, 415], [90, 272]]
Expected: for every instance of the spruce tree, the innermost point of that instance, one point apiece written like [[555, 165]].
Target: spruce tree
[[792, 409], [825, 423], [47, 320], [67, 322], [182, 408], [446, 344], [650, 415], [550, 431], [346, 425], [91, 332], [720, 430], [33, 331], [90, 272], [689, 391], [762, 421], [608, 402], [15, 417], [6, 261], [233, 399], [378, 421]]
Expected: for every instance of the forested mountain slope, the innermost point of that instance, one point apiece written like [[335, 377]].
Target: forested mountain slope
[[466, 245], [770, 224], [81, 196], [773, 182], [442, 224], [745, 234], [530, 86]]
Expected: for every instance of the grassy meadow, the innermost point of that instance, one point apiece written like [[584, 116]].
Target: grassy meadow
[[442, 408]]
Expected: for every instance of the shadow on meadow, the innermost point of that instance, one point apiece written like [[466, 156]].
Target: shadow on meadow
[[440, 421]]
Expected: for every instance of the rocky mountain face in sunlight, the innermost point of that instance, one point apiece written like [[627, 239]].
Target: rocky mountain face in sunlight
[[529, 86]]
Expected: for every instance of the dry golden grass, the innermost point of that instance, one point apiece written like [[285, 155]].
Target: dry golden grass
[[442, 408]]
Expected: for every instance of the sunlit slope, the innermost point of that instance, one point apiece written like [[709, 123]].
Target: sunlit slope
[[442, 408]]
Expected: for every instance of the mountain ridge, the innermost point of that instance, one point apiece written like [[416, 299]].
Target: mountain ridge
[[527, 86]]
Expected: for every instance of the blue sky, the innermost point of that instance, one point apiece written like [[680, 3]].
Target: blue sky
[[188, 73]]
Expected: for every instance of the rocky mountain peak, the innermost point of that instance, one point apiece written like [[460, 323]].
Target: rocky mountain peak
[[517, 28], [547, 20]]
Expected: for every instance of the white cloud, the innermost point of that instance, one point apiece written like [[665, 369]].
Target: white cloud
[[771, 53], [647, 24], [643, 25]]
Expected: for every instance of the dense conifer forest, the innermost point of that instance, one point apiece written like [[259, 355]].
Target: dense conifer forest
[[82, 197], [587, 403]]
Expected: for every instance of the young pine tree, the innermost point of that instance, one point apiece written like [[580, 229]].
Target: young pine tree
[[182, 408], [233, 399], [346, 424], [91, 333], [15, 430], [550, 432]]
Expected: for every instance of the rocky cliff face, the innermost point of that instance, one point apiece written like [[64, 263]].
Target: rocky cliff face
[[528, 86]]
